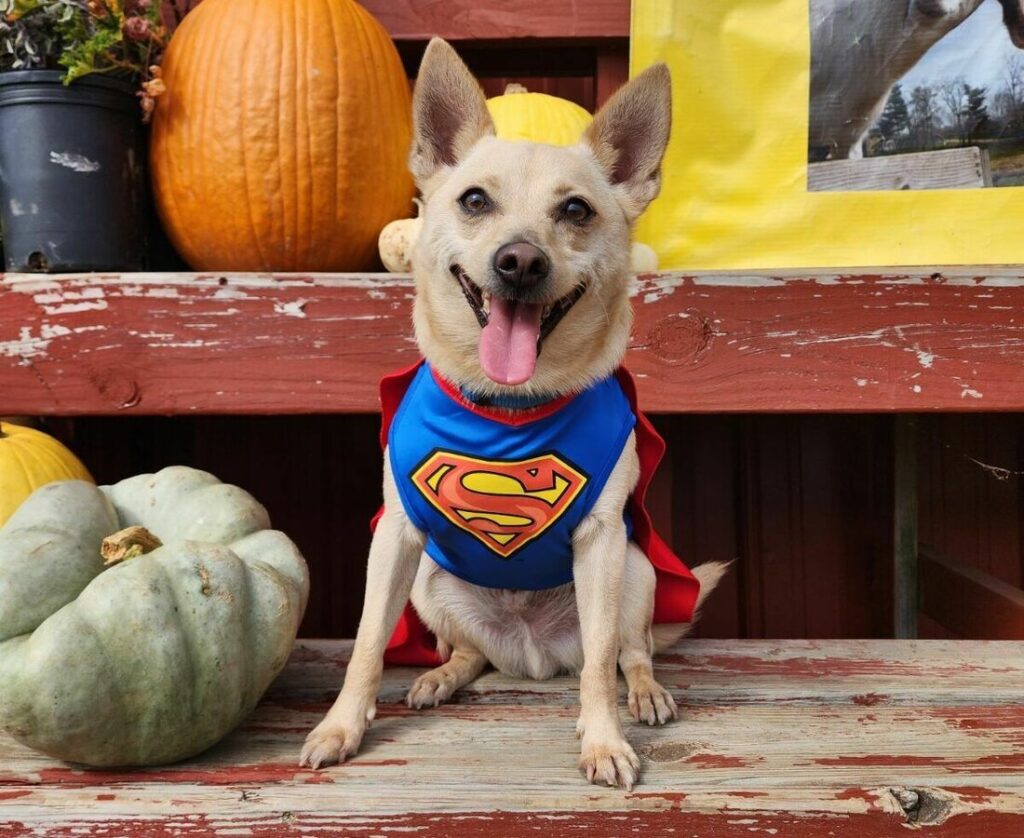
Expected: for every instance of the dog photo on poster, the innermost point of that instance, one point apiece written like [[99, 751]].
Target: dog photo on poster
[[925, 94]]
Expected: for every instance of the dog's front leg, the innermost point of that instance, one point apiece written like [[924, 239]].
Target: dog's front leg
[[391, 569], [599, 559]]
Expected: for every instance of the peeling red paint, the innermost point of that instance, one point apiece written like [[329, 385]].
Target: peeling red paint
[[83, 362], [819, 667], [869, 699], [973, 794], [674, 796], [604, 824], [718, 761], [10, 795], [986, 764], [214, 776], [857, 794]]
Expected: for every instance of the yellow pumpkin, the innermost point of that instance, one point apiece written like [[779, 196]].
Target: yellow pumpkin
[[537, 117], [280, 142], [30, 459]]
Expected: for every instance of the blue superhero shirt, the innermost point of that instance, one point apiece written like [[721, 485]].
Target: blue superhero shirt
[[500, 493]]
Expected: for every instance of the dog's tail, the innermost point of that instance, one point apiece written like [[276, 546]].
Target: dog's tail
[[709, 575]]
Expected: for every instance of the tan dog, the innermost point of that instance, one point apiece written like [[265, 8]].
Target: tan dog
[[536, 240]]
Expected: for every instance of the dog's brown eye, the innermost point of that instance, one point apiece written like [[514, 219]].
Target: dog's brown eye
[[577, 211], [475, 200]]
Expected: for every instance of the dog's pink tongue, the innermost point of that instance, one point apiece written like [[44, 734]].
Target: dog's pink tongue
[[508, 343]]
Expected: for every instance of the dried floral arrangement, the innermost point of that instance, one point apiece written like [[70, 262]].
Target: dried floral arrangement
[[119, 37]]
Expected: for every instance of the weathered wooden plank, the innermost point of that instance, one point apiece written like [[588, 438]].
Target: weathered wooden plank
[[481, 20], [473, 20], [180, 343], [968, 601], [803, 737], [954, 168]]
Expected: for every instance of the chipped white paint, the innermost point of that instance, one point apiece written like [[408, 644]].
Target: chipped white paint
[[229, 292], [75, 162], [654, 296], [294, 308], [729, 280], [969, 392], [876, 336], [226, 312], [925, 359], [185, 344], [861, 382], [163, 293], [28, 345], [70, 301], [916, 388]]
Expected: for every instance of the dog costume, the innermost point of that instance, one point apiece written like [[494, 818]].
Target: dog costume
[[499, 492]]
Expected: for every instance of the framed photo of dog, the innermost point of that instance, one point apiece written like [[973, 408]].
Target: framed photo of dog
[[832, 133]]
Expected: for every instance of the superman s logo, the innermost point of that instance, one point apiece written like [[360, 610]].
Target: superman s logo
[[505, 504]]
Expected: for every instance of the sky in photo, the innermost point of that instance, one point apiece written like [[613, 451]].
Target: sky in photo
[[978, 49]]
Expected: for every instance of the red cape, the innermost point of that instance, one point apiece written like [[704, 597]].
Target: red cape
[[412, 644]]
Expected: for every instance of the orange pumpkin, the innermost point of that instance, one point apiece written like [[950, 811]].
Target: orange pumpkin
[[281, 141]]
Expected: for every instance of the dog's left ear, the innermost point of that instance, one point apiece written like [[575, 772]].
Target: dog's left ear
[[629, 135], [449, 112]]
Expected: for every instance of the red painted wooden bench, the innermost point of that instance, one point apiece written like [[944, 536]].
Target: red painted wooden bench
[[778, 738], [815, 738], [797, 737]]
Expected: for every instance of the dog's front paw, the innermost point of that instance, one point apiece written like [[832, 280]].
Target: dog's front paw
[[329, 743], [430, 689], [651, 703], [611, 761]]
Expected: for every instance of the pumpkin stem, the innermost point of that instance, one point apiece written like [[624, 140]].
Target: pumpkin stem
[[515, 87], [127, 544]]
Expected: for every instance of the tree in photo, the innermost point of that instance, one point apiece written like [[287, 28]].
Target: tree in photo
[[954, 100], [924, 118], [977, 121], [1008, 103], [894, 123]]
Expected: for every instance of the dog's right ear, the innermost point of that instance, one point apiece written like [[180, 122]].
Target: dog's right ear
[[449, 112]]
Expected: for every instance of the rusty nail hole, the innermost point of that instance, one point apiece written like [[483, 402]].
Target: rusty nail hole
[[222, 280], [37, 261], [936, 275]]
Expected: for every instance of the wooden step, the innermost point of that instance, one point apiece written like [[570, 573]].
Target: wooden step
[[785, 738]]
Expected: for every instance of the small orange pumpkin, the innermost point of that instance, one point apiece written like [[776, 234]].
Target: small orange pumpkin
[[281, 141]]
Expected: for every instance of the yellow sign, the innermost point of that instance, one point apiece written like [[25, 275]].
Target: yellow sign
[[735, 191]]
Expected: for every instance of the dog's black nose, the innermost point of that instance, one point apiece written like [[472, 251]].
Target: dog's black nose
[[521, 265]]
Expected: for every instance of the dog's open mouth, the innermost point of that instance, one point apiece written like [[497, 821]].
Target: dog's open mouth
[[512, 331]]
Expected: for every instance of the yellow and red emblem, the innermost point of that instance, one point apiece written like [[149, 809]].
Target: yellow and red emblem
[[505, 504]]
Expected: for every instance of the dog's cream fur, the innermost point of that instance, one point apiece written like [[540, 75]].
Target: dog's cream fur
[[604, 618]]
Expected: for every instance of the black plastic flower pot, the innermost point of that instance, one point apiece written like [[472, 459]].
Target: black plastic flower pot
[[72, 179]]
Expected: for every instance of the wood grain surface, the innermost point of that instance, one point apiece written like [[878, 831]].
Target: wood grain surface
[[207, 343], [806, 738]]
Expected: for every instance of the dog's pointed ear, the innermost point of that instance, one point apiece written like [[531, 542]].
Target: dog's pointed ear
[[629, 135], [449, 112]]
